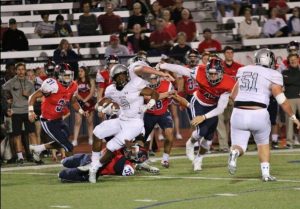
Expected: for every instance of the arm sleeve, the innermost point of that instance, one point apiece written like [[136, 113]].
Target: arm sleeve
[[222, 103], [49, 86], [276, 78], [176, 69]]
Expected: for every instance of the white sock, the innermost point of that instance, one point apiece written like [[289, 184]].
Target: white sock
[[39, 148], [274, 137], [199, 157], [166, 157], [265, 168], [96, 159], [20, 155]]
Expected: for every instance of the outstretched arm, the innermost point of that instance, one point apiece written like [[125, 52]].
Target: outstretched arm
[[140, 70], [178, 69]]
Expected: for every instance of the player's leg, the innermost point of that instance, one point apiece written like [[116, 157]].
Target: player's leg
[[166, 123], [239, 137], [261, 127], [105, 129], [174, 112], [77, 125], [90, 124], [149, 122]]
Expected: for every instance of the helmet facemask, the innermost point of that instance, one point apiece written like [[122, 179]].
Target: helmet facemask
[[66, 77], [154, 81], [214, 71]]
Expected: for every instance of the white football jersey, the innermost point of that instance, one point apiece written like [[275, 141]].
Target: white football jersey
[[128, 98], [255, 83], [49, 86]]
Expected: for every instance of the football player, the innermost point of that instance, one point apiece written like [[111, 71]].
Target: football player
[[159, 114], [206, 104], [129, 94], [58, 94], [102, 78], [251, 96]]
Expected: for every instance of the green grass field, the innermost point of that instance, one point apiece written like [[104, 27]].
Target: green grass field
[[175, 188]]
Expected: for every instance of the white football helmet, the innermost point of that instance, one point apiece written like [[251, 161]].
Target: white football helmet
[[265, 57]]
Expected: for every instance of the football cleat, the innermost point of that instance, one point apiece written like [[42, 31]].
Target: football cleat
[[93, 174], [35, 153], [232, 162], [75, 143], [268, 178], [189, 149], [84, 167], [146, 167], [197, 164], [165, 164], [20, 162]]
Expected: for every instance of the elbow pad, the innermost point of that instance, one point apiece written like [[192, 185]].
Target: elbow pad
[[280, 98]]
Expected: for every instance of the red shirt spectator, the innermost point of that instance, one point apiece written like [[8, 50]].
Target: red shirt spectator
[[230, 66], [209, 44], [109, 22], [186, 25], [159, 39], [169, 26], [282, 7]]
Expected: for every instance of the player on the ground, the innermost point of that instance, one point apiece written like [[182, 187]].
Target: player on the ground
[[58, 94], [207, 103], [129, 94], [251, 96]]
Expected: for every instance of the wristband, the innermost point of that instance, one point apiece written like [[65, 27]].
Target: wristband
[[293, 117], [81, 111], [30, 108], [100, 108]]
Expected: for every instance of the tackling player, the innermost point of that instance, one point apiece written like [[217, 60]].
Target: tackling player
[[207, 103]]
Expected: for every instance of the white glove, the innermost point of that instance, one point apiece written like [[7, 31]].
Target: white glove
[[151, 103]]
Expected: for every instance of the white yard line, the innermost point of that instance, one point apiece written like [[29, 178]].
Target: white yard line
[[167, 177], [274, 152]]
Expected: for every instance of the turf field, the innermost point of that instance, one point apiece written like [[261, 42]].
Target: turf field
[[175, 188]]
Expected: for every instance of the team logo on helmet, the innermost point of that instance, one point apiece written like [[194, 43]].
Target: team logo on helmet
[[214, 71]]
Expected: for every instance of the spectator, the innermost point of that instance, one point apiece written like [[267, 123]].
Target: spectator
[[109, 22], [224, 5], [136, 18], [85, 97], [156, 12], [169, 26], [176, 12], [45, 29], [65, 54], [62, 29], [204, 58], [3, 29], [146, 5], [209, 44], [275, 26], [230, 68], [187, 25], [30, 76], [281, 6], [20, 89], [177, 51], [138, 41], [249, 28], [294, 22], [160, 41], [291, 78], [115, 48], [14, 39], [87, 22]]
